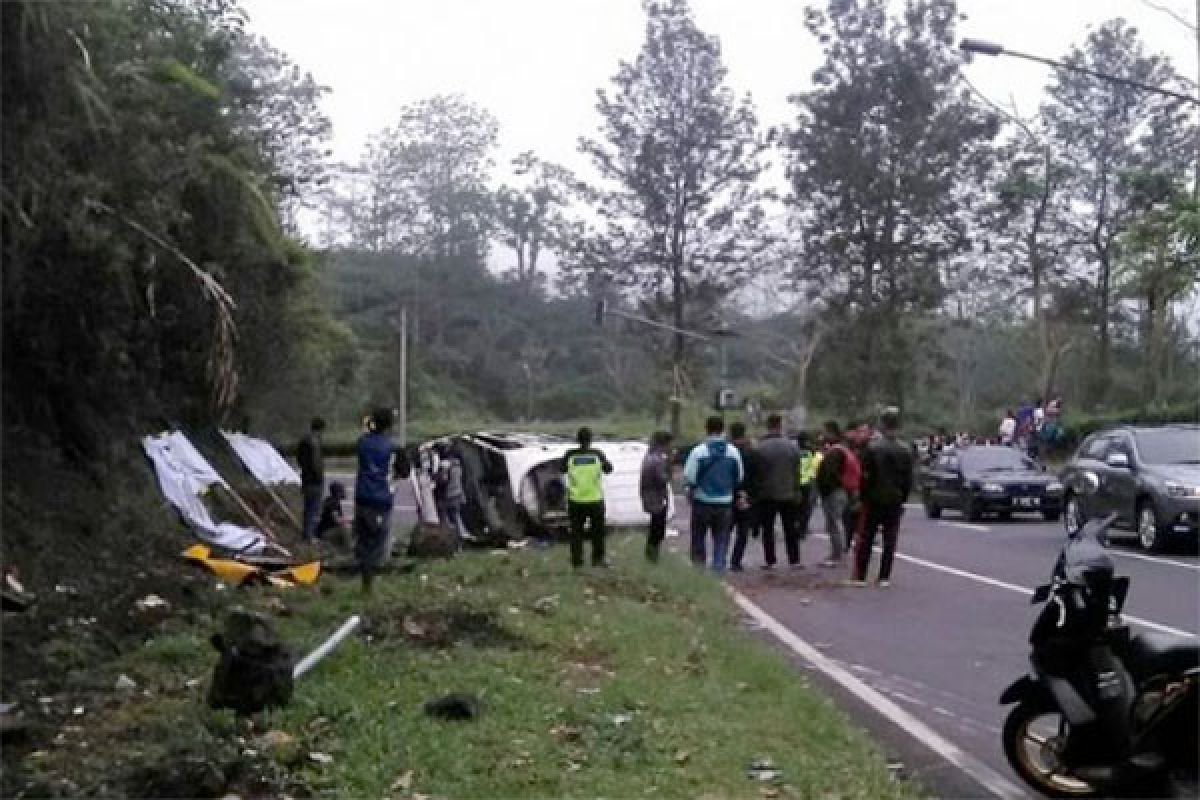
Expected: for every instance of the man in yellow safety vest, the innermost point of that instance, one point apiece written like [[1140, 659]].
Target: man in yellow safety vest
[[585, 468]]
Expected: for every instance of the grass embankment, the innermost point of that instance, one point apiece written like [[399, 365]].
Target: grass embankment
[[632, 682]]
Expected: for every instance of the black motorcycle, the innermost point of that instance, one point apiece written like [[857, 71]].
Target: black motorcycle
[[1103, 711]]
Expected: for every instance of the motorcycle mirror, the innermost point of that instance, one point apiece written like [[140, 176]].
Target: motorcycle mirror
[[1089, 483], [1040, 595]]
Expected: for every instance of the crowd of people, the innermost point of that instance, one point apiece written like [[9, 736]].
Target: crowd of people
[[1031, 427], [739, 490]]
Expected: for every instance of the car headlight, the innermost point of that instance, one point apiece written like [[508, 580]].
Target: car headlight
[[994, 488], [1054, 487], [1181, 490]]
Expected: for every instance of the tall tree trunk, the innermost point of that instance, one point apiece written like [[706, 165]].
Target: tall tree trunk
[[1104, 356], [677, 353]]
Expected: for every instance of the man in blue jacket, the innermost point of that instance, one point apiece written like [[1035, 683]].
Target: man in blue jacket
[[711, 474], [373, 496]]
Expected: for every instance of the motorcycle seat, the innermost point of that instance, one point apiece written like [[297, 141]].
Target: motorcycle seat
[[1156, 654]]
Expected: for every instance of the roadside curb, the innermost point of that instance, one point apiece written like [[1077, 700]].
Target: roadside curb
[[995, 783]]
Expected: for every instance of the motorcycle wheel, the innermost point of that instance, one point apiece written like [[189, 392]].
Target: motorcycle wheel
[[1034, 734]]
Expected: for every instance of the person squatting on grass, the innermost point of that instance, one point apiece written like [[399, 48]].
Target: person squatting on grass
[[654, 486], [712, 474], [585, 468]]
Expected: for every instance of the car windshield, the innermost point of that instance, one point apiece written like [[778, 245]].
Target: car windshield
[[1169, 446], [994, 459]]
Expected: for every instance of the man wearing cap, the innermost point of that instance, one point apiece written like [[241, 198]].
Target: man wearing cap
[[585, 468]]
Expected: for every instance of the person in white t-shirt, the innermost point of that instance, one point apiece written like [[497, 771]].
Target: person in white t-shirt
[[1008, 428]]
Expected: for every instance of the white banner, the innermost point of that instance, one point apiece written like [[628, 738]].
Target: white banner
[[183, 475], [263, 461]]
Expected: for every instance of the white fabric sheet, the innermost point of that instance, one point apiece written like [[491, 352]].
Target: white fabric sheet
[[263, 461], [183, 475]]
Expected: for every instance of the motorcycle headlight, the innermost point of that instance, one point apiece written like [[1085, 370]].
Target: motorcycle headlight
[[993, 488], [1181, 490], [1054, 487]]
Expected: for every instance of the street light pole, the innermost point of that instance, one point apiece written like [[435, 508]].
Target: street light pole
[[987, 48]]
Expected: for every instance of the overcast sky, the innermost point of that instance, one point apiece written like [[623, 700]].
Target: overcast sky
[[536, 64]]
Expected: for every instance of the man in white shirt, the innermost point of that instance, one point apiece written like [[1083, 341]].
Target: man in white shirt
[[1008, 428]]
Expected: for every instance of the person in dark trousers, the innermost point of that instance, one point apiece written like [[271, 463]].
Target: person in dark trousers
[[778, 462], [373, 496], [654, 487], [887, 482], [806, 490], [585, 468], [745, 502], [312, 476], [449, 495], [855, 440], [711, 474], [838, 474]]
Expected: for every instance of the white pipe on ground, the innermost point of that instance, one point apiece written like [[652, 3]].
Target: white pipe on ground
[[310, 660]]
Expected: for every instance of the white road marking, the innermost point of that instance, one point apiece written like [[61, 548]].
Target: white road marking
[[1012, 587], [1153, 559], [966, 525], [987, 777]]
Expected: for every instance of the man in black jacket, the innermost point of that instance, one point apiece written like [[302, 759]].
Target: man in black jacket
[[312, 476], [887, 482], [746, 502]]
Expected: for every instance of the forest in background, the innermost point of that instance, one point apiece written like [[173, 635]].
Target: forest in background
[[930, 250]]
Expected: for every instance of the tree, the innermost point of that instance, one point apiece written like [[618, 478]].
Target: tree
[[885, 161], [533, 219], [1105, 130], [1158, 261], [682, 215]]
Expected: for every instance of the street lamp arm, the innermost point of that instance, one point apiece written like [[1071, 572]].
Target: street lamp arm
[[993, 49]]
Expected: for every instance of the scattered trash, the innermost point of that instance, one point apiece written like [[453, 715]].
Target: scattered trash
[[281, 746], [588, 690], [79, 711], [567, 733], [573, 766], [896, 770], [414, 629], [682, 756], [806, 601], [320, 758], [403, 783], [191, 683], [769, 791], [15, 598], [277, 607], [45, 700], [621, 719], [125, 684], [514, 610], [765, 771], [151, 601], [546, 605], [453, 706], [64, 588], [517, 544]]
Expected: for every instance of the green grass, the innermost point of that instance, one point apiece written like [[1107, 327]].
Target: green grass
[[639, 682]]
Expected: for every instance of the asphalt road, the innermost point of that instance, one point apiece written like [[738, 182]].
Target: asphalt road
[[950, 633]]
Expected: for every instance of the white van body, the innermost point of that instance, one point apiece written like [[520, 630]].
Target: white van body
[[528, 466]]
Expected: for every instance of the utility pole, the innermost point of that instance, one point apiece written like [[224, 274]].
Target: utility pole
[[404, 376]]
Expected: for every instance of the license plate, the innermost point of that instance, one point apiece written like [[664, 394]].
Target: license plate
[[1027, 502]]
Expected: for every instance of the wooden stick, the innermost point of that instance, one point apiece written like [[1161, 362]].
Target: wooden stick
[[262, 525], [283, 507]]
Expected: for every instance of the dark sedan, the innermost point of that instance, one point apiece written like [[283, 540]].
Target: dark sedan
[[989, 480]]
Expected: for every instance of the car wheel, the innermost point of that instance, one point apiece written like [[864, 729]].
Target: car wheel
[[1006, 516], [1073, 518], [1050, 516], [1149, 533], [932, 509], [970, 508]]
